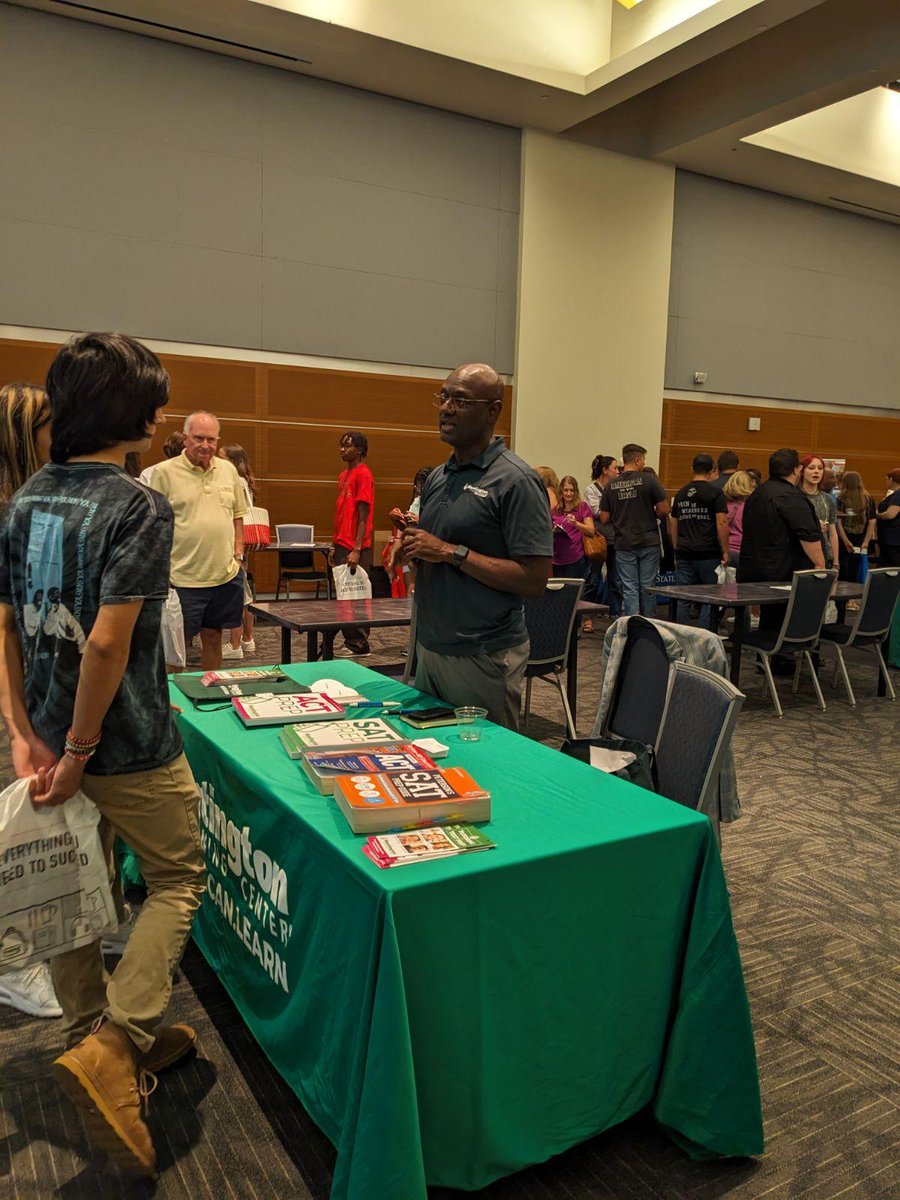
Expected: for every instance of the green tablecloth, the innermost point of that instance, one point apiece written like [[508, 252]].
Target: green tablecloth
[[457, 1021]]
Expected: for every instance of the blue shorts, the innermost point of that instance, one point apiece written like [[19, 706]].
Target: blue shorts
[[220, 607]]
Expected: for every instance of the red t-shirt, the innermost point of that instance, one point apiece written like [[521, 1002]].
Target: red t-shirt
[[355, 485]]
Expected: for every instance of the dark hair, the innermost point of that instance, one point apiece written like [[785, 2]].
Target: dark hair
[[600, 464], [105, 389], [174, 444], [894, 476], [755, 475], [728, 461], [240, 460], [357, 439], [419, 480], [783, 463], [632, 451], [702, 464]]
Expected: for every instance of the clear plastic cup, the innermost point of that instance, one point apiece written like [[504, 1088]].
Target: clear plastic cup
[[470, 720]]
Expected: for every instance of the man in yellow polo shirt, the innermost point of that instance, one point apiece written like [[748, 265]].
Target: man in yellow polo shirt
[[208, 547]]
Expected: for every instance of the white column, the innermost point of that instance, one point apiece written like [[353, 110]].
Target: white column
[[594, 257]]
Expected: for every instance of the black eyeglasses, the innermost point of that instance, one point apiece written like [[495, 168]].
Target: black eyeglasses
[[460, 403]]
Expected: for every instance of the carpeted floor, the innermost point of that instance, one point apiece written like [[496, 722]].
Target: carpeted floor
[[812, 868]]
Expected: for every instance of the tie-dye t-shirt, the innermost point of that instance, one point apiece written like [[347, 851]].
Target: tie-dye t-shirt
[[73, 538]]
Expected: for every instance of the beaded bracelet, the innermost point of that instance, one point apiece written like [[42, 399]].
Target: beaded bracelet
[[80, 755], [81, 748]]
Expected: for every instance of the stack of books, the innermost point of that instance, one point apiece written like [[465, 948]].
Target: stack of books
[[422, 845], [324, 767], [409, 799]]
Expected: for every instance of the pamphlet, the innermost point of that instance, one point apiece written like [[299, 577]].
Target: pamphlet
[[423, 845]]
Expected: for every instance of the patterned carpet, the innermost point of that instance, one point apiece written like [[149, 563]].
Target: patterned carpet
[[812, 868]]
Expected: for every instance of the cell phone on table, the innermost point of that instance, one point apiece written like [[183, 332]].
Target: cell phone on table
[[428, 718]]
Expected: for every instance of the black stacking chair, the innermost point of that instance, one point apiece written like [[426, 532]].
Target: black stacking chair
[[799, 632], [869, 629], [550, 621], [700, 714], [299, 566], [641, 685]]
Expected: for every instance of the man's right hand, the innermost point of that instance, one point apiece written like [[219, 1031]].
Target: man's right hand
[[30, 755]]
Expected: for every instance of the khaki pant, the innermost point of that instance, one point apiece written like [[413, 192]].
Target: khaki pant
[[492, 680], [155, 812]]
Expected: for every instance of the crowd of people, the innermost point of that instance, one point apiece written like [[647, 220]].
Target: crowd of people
[[92, 547], [624, 536]]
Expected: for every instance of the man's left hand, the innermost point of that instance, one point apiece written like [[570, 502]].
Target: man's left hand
[[353, 561], [54, 787], [424, 546]]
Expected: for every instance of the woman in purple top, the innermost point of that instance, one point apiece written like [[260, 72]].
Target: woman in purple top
[[572, 520], [739, 486]]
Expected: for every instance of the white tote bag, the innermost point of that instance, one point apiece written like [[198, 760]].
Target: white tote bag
[[54, 884], [347, 586], [172, 629]]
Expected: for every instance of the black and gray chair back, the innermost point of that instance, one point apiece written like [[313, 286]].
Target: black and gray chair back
[[701, 711], [869, 629], [299, 566], [799, 632], [550, 621], [642, 683]]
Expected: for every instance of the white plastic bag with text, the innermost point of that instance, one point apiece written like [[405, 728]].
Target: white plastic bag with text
[[173, 631], [54, 884], [357, 586]]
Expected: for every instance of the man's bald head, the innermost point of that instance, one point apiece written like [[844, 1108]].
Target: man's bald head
[[482, 381]]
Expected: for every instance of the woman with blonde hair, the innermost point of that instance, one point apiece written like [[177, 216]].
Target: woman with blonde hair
[[739, 486], [24, 435], [24, 449], [551, 483], [856, 522], [572, 522]]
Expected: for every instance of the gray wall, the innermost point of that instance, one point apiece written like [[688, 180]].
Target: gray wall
[[190, 197], [781, 298]]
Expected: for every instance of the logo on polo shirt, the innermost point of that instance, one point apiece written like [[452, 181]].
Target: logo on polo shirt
[[476, 491]]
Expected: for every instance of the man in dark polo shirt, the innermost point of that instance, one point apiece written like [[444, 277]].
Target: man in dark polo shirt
[[483, 542], [699, 527], [782, 533]]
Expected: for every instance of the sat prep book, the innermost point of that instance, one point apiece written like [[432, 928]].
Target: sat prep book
[[378, 803], [352, 734], [284, 710]]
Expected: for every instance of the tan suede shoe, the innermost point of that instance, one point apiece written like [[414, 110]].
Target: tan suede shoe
[[100, 1077], [172, 1043]]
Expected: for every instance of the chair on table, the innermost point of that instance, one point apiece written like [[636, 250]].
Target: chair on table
[[550, 621], [700, 714], [869, 629], [799, 632], [642, 682], [299, 566]]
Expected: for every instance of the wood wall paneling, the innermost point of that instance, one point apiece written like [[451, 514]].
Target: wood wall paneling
[[871, 445]]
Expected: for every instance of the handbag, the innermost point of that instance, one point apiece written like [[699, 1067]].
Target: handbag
[[256, 528], [172, 629], [594, 547]]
